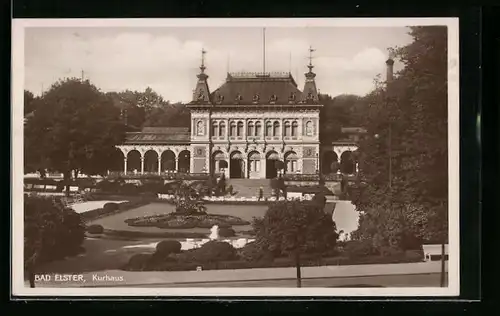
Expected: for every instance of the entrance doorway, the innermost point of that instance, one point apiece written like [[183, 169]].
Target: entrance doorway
[[236, 166], [271, 171]]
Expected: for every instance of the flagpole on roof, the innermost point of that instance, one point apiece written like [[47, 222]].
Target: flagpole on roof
[[264, 51]]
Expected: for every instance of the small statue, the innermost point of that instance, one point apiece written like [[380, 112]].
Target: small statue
[[256, 97], [214, 232], [200, 128]]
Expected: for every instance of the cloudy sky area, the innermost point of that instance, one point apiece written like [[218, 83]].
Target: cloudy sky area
[[167, 59]]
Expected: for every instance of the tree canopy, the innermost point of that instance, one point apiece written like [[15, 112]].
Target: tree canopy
[[74, 128], [29, 102], [405, 162], [148, 108], [337, 112], [293, 228]]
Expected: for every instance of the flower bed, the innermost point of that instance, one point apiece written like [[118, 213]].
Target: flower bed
[[245, 200], [178, 221], [141, 234]]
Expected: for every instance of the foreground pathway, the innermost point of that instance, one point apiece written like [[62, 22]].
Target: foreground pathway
[[119, 278]]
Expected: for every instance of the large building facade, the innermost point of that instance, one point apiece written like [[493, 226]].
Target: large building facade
[[241, 129]]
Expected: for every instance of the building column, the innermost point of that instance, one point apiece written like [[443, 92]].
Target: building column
[[177, 164], [159, 164], [142, 164], [244, 169], [263, 167], [191, 160], [125, 165]]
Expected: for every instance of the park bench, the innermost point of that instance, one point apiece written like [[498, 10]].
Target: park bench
[[434, 252]]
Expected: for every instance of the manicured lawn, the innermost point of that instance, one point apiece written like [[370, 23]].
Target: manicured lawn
[[117, 221]]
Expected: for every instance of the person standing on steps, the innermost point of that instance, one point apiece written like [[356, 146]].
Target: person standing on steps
[[261, 193]]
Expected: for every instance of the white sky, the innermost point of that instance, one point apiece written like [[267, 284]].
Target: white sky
[[346, 59]]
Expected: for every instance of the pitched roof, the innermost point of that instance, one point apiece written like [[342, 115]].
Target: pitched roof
[[159, 135], [257, 89]]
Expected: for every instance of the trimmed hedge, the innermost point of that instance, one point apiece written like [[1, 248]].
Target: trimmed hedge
[[110, 206], [139, 262], [184, 265], [212, 251], [226, 232], [95, 229], [111, 209]]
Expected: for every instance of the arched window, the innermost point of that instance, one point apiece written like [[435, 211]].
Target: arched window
[[240, 129], [250, 129], [269, 128], [222, 129], [309, 129], [276, 129], [295, 128], [215, 129], [287, 129], [232, 130], [258, 129]]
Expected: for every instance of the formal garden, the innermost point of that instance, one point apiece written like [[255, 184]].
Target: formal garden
[[276, 234]]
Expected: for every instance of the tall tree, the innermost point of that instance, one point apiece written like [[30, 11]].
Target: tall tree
[[29, 102], [75, 129], [337, 113], [131, 114], [171, 115], [294, 228], [405, 162]]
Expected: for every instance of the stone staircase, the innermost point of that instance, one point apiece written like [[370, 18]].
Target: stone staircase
[[250, 187]]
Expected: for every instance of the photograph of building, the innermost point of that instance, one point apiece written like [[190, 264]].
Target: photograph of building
[[244, 154]]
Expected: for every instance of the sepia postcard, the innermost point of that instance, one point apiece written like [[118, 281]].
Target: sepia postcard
[[235, 157]]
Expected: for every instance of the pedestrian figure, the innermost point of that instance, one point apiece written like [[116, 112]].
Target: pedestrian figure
[[261, 193]]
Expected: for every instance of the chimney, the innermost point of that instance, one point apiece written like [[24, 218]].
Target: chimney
[[390, 71]]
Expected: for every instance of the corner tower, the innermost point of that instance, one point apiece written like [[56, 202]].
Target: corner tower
[[310, 93], [201, 94]]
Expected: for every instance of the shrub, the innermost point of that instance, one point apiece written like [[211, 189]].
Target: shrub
[[129, 189], [226, 232], [254, 252], [110, 207], [139, 262], [95, 229], [149, 195], [211, 252], [61, 230], [108, 186], [166, 247], [152, 187], [359, 248]]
